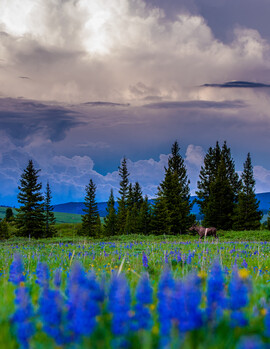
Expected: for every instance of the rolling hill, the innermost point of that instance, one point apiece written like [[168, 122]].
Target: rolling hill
[[77, 207]]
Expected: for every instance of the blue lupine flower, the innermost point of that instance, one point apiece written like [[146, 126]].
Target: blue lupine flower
[[57, 278], [51, 306], [145, 260], [238, 299], [119, 305], [22, 317], [165, 307], [144, 295], [83, 296], [179, 259], [187, 304], [16, 270], [43, 274], [216, 301], [244, 264]]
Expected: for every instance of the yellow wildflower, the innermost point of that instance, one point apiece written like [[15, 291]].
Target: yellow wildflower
[[152, 306], [263, 312], [243, 273], [202, 274]]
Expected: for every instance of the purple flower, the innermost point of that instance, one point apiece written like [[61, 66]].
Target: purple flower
[[165, 296], [144, 295], [57, 278], [238, 299], [187, 304], [51, 310], [215, 295], [22, 317], [83, 296], [16, 270], [43, 274], [119, 305], [145, 260]]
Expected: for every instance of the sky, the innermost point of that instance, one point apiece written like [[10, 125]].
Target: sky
[[84, 83]]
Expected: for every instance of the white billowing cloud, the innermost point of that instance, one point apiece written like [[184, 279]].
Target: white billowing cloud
[[195, 155], [262, 178], [87, 50]]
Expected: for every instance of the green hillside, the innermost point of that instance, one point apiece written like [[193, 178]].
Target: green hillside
[[60, 217]]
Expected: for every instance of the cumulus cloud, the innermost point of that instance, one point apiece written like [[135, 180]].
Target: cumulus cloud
[[262, 177], [117, 51]]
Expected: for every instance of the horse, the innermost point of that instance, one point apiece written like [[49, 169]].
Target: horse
[[204, 232]]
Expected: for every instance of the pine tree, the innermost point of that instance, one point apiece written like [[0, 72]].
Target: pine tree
[[110, 219], [144, 217], [247, 213], [160, 217], [134, 202], [48, 212], [175, 191], [219, 209], [209, 184], [9, 214], [30, 216], [91, 224], [123, 199]]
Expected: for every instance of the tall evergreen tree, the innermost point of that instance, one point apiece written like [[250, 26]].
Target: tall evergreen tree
[[160, 223], [30, 215], [174, 189], [134, 203], [209, 184], [219, 209], [144, 217], [123, 199], [110, 219], [247, 213], [48, 212], [91, 224]]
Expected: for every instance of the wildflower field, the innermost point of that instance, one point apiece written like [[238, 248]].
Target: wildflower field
[[159, 293]]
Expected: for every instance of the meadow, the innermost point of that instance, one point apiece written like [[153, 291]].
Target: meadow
[[135, 292]]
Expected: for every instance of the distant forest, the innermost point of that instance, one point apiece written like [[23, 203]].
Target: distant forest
[[226, 201]]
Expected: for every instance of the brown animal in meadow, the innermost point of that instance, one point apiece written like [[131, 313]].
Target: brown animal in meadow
[[204, 232]]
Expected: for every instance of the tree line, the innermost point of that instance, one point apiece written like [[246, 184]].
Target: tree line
[[226, 200]]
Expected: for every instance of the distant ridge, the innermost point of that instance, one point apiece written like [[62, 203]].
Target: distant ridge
[[77, 207]]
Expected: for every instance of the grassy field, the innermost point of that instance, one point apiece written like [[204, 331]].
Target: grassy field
[[60, 217], [183, 311]]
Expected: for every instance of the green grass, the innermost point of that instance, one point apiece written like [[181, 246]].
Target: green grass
[[60, 216]]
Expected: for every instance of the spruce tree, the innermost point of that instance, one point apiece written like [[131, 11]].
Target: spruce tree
[[48, 212], [91, 224], [219, 209], [247, 213], [123, 199], [144, 217], [209, 184], [160, 217], [134, 202], [110, 219], [174, 189], [9, 214], [30, 216]]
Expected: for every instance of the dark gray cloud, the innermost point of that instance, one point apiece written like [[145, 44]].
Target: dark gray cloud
[[239, 84], [106, 104], [197, 105], [23, 118]]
